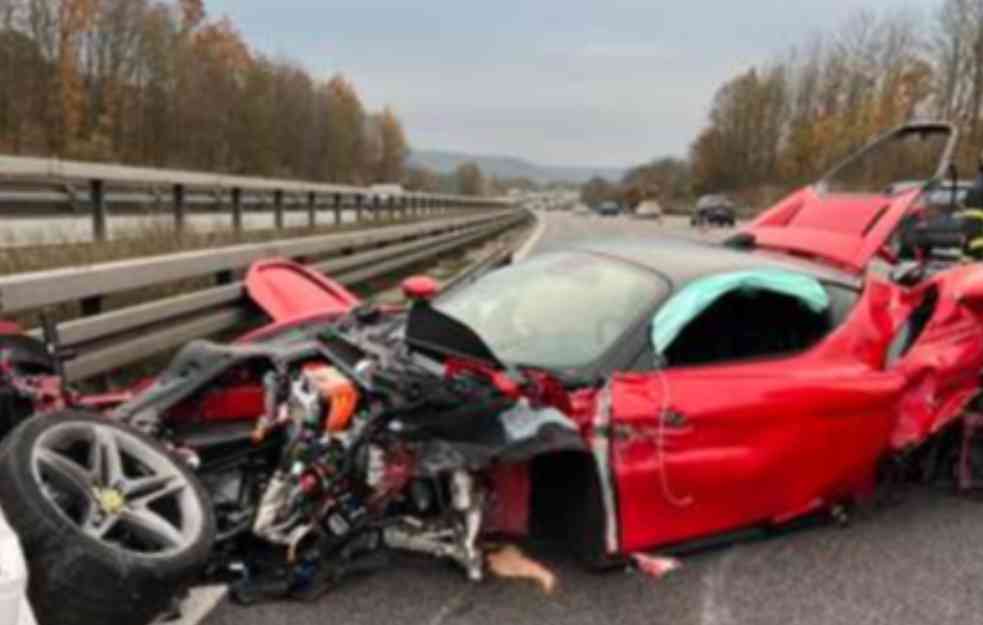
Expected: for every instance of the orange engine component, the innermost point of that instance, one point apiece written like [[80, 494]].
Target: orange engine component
[[338, 392]]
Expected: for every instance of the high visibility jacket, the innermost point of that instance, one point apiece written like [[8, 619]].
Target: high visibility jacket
[[972, 227]]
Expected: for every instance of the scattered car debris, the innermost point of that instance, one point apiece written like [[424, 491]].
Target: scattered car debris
[[655, 566], [511, 562]]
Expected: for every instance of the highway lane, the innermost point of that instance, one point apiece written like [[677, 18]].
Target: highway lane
[[917, 562], [562, 229]]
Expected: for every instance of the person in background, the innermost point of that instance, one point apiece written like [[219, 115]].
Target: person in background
[[972, 218]]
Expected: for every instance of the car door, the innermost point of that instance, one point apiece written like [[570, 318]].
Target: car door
[[701, 450]]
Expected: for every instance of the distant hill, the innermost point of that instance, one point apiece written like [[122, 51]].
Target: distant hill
[[510, 167]]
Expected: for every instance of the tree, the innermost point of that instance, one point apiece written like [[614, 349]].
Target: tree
[[343, 139], [667, 179], [21, 81], [421, 179], [788, 122], [163, 84], [597, 190], [386, 148], [470, 179]]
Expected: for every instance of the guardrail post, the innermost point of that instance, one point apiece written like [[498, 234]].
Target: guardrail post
[[179, 207], [337, 209], [99, 216], [237, 209], [312, 209], [278, 209], [358, 208]]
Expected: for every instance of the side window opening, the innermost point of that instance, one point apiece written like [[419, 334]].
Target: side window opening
[[912, 329], [746, 324]]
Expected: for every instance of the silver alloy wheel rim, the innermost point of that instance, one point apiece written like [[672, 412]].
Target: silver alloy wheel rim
[[125, 492]]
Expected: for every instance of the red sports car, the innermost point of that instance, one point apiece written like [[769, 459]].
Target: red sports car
[[624, 395]]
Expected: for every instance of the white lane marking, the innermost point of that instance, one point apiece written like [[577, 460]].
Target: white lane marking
[[199, 605], [714, 607], [533, 239]]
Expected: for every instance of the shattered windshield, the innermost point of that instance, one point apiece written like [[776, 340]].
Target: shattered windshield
[[890, 165], [556, 311]]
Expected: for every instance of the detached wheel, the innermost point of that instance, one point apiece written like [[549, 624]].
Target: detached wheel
[[111, 524]]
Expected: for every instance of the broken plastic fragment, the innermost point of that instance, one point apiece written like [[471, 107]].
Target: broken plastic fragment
[[510, 562], [655, 566]]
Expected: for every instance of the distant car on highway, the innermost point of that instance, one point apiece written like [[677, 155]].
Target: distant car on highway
[[649, 209], [609, 208], [714, 210]]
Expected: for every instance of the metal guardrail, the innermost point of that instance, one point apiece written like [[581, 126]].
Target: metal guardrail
[[94, 188], [104, 341]]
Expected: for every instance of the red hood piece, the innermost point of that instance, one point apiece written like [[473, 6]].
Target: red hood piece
[[287, 290], [843, 230]]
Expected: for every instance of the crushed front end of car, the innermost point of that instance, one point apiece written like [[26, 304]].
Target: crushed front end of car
[[381, 433]]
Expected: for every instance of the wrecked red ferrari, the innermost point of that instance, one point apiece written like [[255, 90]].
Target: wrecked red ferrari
[[622, 396]]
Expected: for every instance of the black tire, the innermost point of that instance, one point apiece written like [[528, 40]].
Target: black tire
[[77, 579]]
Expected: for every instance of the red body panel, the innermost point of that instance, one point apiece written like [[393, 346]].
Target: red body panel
[[846, 230], [286, 290]]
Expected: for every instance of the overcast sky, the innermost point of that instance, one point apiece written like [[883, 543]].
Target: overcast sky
[[563, 82]]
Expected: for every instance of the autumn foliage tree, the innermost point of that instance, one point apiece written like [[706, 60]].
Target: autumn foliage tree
[[786, 123], [164, 84]]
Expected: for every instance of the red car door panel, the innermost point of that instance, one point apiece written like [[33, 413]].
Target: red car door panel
[[707, 449], [742, 444]]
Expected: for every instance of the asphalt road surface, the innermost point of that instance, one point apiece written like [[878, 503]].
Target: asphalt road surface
[[914, 563]]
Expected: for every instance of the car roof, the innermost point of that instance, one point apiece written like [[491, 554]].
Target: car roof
[[712, 200], [683, 260]]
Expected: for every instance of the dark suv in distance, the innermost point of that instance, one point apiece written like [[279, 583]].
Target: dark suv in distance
[[714, 210], [609, 208]]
